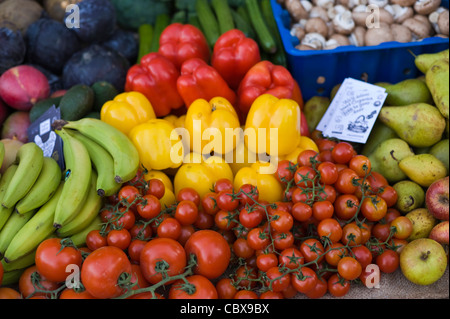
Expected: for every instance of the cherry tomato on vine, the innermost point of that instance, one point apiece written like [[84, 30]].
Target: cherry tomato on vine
[[346, 206], [351, 234], [343, 152], [291, 258], [135, 248], [285, 171], [257, 238], [328, 173], [53, 257], [208, 203], [129, 194], [361, 165], [301, 212], [149, 207], [226, 200], [225, 288], [120, 238], [304, 280], [363, 255], [249, 194], [374, 208], [305, 157], [27, 287], [188, 194], [242, 249], [9, 293], [349, 268], [281, 221], [169, 228], [319, 290], [305, 176], [245, 294], [330, 228], [312, 250], [338, 287], [277, 280], [388, 261], [223, 184], [335, 252], [266, 261], [95, 240], [345, 182], [186, 212], [224, 220], [322, 210], [156, 188], [389, 194]]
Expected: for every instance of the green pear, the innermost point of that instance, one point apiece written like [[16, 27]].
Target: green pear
[[423, 222], [418, 124], [383, 84], [421, 150], [424, 169], [410, 196], [424, 61], [334, 90], [408, 92], [314, 109], [441, 151], [379, 133], [437, 79], [388, 155]]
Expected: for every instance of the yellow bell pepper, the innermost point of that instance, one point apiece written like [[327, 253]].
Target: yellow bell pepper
[[305, 143], [211, 126], [177, 121], [273, 125], [268, 186], [127, 110], [168, 198], [158, 144], [201, 173]]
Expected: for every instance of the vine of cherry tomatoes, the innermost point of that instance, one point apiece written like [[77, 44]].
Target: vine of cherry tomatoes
[[337, 218]]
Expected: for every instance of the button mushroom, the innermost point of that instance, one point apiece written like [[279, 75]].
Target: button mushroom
[[324, 3], [401, 33], [298, 31], [401, 13], [343, 23], [336, 40], [378, 3], [319, 12], [404, 3], [425, 7], [375, 36], [443, 23], [357, 36], [419, 29], [296, 10], [334, 11], [316, 25], [314, 40]]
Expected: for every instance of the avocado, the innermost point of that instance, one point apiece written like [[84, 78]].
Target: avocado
[[103, 92], [42, 106], [77, 102]]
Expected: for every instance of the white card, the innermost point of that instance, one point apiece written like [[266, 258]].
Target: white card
[[353, 111]]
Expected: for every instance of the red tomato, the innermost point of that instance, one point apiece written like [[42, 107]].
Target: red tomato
[[304, 176], [312, 249], [186, 212], [169, 228], [208, 203], [226, 200], [30, 279], [360, 164], [245, 294], [52, 259], [346, 206], [120, 238], [285, 171], [188, 194], [342, 152], [212, 252], [95, 240], [291, 258], [301, 212], [225, 288], [319, 290], [349, 268], [345, 182], [388, 261], [304, 280], [162, 253], [149, 207], [70, 293], [156, 188], [306, 157], [101, 271], [266, 261], [374, 208], [337, 286], [277, 280], [330, 228], [199, 287], [328, 173]]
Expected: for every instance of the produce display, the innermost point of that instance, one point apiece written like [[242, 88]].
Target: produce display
[[191, 167]]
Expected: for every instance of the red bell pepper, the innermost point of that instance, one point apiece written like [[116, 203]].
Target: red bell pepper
[[233, 55], [180, 42], [156, 78], [266, 77], [200, 80]]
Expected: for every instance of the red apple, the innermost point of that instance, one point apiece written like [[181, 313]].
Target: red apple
[[436, 198], [22, 86], [439, 233]]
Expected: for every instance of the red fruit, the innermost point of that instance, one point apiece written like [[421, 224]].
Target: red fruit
[[23, 86], [16, 126]]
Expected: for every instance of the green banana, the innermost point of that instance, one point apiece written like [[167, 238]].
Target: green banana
[[77, 179], [21, 263], [121, 148], [29, 159], [43, 189], [12, 227], [87, 214], [4, 181], [103, 164], [12, 277], [38, 228], [79, 239]]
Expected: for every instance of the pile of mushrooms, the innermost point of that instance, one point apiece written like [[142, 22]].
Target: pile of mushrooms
[[327, 24]]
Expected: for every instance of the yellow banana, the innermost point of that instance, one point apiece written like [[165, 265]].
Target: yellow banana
[[12, 227], [121, 148], [4, 181], [79, 239], [78, 169], [103, 164], [87, 214], [38, 228], [29, 160], [44, 187]]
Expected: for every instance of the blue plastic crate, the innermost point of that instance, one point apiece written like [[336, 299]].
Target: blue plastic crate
[[317, 72]]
